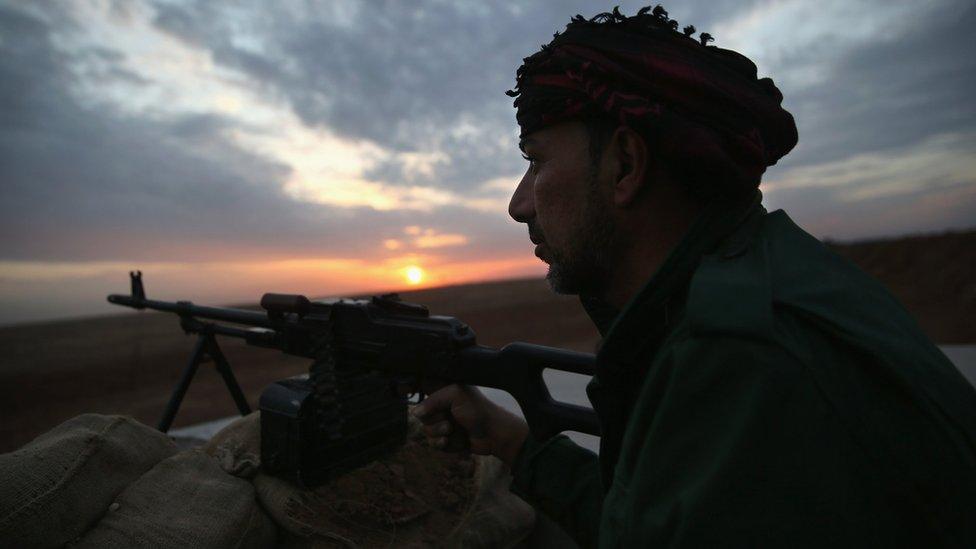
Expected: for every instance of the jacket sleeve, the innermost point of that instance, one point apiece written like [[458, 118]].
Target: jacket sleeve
[[562, 480]]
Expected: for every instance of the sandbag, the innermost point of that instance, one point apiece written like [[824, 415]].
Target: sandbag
[[417, 496], [497, 517], [58, 485], [184, 501], [237, 447]]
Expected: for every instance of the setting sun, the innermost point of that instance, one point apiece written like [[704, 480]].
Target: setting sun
[[414, 274]]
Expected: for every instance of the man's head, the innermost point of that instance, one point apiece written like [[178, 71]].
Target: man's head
[[566, 208], [590, 193], [622, 115]]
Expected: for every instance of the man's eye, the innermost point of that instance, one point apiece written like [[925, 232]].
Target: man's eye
[[530, 159]]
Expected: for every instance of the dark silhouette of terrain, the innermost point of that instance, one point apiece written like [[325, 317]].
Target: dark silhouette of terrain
[[934, 276]]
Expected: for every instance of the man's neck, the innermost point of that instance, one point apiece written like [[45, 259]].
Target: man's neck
[[648, 238]]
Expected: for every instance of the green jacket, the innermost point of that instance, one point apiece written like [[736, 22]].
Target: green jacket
[[761, 391]]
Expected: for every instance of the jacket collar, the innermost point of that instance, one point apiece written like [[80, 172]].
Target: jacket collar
[[649, 314]]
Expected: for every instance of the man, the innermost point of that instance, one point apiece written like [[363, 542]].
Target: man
[[753, 389]]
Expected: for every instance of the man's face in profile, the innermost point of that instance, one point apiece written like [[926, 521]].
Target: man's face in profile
[[561, 199]]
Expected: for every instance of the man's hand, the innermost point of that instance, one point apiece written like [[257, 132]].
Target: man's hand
[[491, 430]]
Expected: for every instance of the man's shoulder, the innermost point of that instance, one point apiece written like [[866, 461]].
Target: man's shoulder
[[780, 286], [732, 293], [774, 269]]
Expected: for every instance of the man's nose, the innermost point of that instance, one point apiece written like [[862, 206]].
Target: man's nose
[[522, 205]]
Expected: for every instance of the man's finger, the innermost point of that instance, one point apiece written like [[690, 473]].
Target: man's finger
[[432, 418], [438, 429], [481, 446], [437, 401]]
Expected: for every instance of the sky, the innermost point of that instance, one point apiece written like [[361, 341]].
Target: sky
[[227, 149]]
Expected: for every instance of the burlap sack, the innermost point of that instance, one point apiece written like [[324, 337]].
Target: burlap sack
[[184, 501], [57, 486], [419, 496], [237, 447], [496, 518]]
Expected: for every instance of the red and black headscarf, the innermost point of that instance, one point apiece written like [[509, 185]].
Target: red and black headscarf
[[702, 101]]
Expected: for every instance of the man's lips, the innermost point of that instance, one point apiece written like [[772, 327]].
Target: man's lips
[[539, 243], [538, 251]]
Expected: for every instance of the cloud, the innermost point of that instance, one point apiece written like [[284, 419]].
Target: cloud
[[87, 182], [423, 81], [372, 72], [948, 207], [432, 239], [938, 161], [865, 76], [882, 99], [901, 191], [193, 130], [420, 80]]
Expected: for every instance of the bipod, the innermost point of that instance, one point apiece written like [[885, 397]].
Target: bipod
[[206, 347]]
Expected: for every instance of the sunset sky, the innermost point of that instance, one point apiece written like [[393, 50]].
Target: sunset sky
[[227, 149]]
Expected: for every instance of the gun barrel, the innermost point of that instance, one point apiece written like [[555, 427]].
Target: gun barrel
[[186, 308]]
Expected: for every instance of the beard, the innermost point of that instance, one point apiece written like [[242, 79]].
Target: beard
[[585, 266]]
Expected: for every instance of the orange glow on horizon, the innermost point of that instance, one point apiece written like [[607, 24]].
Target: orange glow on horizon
[[238, 283], [324, 278]]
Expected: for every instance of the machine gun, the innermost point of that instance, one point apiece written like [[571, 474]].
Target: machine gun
[[347, 411]]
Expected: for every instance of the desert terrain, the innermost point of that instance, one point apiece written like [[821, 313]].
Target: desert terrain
[[129, 363]]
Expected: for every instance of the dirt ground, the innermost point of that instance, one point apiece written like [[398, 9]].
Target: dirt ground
[[933, 276], [128, 364]]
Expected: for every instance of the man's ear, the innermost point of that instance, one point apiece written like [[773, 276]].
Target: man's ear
[[630, 158]]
